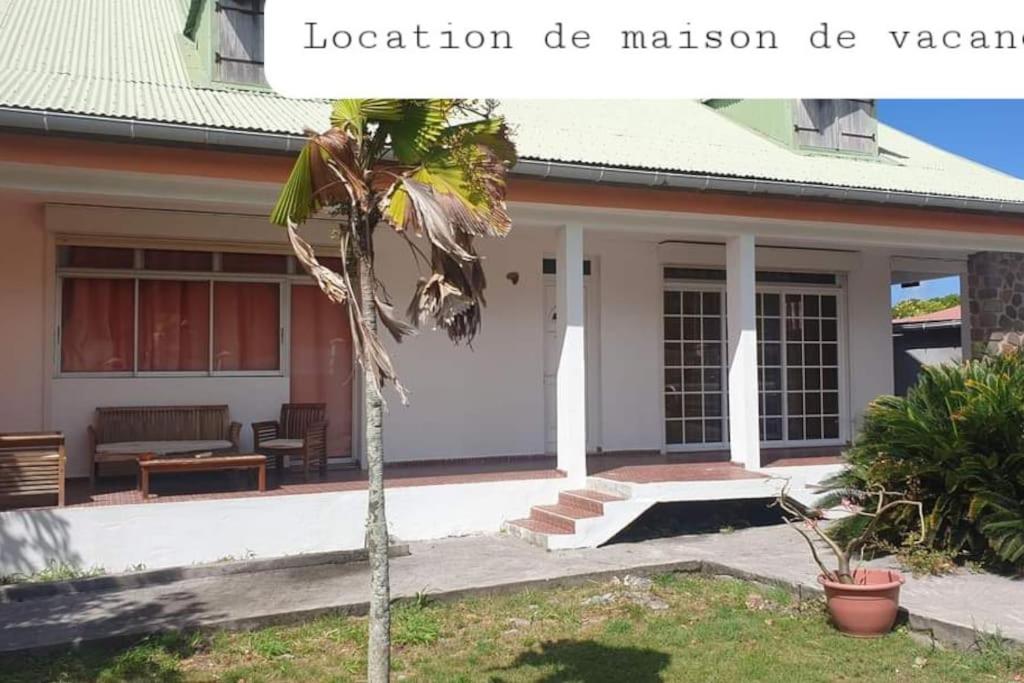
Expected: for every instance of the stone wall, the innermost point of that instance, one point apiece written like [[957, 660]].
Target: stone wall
[[995, 293]]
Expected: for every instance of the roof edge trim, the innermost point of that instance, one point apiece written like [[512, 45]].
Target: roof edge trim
[[154, 131]]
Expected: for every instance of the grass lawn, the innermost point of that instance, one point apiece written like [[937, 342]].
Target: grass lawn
[[681, 628]]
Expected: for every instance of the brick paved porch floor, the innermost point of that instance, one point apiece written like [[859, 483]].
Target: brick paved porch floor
[[637, 467]]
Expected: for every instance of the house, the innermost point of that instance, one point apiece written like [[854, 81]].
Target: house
[[927, 339], [693, 301]]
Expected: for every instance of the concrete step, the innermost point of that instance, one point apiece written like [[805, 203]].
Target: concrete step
[[560, 516], [585, 499]]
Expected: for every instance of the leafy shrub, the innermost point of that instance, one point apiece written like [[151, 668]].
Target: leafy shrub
[[908, 308], [955, 443]]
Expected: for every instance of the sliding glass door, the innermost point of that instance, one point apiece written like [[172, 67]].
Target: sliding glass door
[[799, 355]]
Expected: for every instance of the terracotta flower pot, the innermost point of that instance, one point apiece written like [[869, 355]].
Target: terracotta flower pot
[[866, 608]]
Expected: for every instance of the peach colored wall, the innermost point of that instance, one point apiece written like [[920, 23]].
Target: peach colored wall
[[274, 168], [22, 287]]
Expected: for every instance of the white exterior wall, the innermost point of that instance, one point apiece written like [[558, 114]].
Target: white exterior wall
[[631, 372], [870, 366], [487, 399], [115, 538], [484, 400]]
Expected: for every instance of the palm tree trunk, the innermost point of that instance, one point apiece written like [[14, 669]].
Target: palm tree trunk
[[379, 649]]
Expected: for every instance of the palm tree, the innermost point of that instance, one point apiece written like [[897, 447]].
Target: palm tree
[[435, 172]]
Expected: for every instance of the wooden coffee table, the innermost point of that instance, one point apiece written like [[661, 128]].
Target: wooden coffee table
[[149, 464]]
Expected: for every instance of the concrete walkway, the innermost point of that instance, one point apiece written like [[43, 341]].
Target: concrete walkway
[[952, 606]]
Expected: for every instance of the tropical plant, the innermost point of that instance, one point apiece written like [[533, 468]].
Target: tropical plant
[[956, 444], [908, 308], [434, 172], [866, 520]]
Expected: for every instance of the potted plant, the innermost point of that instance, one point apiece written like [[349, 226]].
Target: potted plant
[[862, 601]]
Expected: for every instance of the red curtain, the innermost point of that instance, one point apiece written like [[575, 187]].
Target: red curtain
[[246, 326], [321, 362], [96, 325], [174, 325]]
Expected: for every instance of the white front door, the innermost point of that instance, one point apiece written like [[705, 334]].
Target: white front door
[[552, 344]]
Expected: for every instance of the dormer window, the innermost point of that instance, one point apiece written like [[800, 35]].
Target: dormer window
[[238, 55], [837, 125]]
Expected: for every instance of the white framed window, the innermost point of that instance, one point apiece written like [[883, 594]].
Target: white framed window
[[152, 312], [800, 355]]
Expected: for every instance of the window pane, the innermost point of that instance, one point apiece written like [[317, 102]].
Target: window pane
[[672, 328], [96, 257], [691, 380], [174, 325], [712, 303], [828, 306], [713, 354], [829, 354], [795, 403], [246, 326], [812, 354], [672, 303], [674, 432], [694, 432], [673, 406], [96, 325], [712, 380], [164, 259], [811, 308], [829, 330], [773, 429], [691, 328], [253, 263], [673, 380], [694, 405], [712, 329], [713, 405], [691, 303], [673, 356], [794, 354], [713, 431]]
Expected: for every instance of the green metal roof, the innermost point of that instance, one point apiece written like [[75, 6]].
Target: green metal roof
[[128, 59]]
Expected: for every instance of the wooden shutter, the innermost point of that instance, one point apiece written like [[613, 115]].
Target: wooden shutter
[[858, 126], [815, 124], [239, 56], [837, 125]]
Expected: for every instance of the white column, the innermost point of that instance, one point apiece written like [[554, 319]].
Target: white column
[[744, 433], [571, 392]]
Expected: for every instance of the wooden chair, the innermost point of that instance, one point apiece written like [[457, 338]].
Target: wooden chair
[[31, 466], [300, 432]]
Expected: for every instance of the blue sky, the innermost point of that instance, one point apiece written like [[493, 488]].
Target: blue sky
[[987, 131]]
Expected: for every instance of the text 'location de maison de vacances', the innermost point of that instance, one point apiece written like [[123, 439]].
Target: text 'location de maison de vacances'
[[688, 36]]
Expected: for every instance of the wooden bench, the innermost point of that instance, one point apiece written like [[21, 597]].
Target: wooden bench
[[122, 434], [31, 466], [150, 464]]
